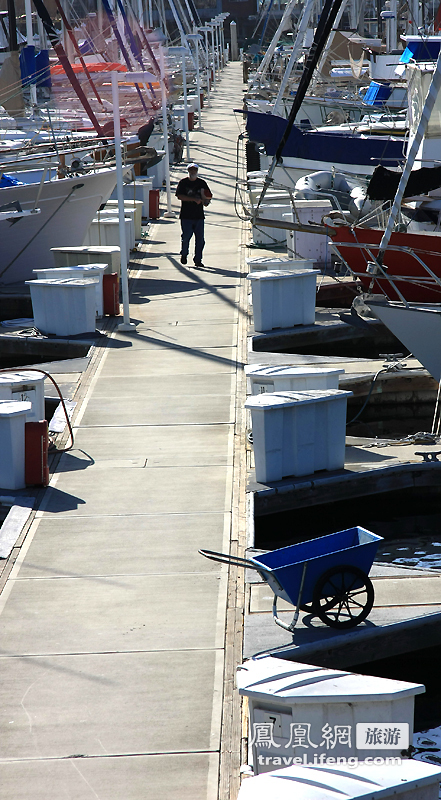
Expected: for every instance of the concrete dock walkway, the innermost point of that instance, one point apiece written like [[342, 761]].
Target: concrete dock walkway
[[116, 660]]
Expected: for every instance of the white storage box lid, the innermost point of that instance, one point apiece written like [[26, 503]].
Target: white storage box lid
[[264, 371], [278, 274], [93, 267], [97, 248], [59, 271], [277, 679], [13, 377], [365, 782], [281, 261], [75, 283], [286, 399], [11, 408], [111, 219]]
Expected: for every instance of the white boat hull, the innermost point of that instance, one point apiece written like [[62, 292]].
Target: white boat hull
[[67, 207], [418, 327]]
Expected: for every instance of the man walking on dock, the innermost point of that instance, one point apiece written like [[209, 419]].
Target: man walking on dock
[[194, 194]]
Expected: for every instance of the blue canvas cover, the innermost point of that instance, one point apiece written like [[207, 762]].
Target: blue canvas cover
[[420, 50], [377, 93], [335, 148]]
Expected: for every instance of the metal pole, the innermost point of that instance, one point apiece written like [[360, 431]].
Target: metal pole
[[217, 48], [198, 82], [225, 15], [182, 51], [206, 28], [274, 42], [140, 13], [178, 22], [169, 212], [195, 37], [432, 94], [222, 32], [233, 35], [187, 132], [30, 41], [297, 46], [126, 325], [213, 69]]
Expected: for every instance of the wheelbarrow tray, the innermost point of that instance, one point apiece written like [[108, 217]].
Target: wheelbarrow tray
[[283, 568]]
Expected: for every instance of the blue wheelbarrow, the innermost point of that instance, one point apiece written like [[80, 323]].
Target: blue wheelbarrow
[[327, 577]]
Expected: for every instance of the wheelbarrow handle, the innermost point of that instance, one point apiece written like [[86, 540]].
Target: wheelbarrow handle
[[225, 558]]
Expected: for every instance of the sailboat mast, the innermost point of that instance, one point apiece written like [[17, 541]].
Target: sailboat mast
[[13, 43], [432, 94], [324, 27]]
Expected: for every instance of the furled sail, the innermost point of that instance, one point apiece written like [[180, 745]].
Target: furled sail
[[11, 94]]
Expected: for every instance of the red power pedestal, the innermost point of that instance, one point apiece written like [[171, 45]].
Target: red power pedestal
[[202, 99], [111, 294], [154, 203], [36, 453], [191, 120]]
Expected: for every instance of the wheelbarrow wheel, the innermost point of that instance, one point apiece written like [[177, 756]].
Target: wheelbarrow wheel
[[343, 597]]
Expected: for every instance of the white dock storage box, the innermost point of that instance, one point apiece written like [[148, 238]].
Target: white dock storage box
[[271, 262], [314, 710], [136, 206], [283, 299], [137, 190], [12, 443], [96, 254], [81, 271], [129, 216], [112, 212], [106, 231], [303, 243], [64, 308], [24, 386], [281, 378], [262, 234], [410, 780], [298, 433], [59, 273]]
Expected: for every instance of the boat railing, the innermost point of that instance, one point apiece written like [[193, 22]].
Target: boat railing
[[96, 156], [380, 271], [377, 216]]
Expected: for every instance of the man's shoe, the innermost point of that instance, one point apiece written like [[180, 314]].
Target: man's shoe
[[183, 259], [198, 264]]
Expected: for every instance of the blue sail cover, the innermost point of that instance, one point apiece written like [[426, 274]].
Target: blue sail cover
[[377, 94], [335, 148], [420, 50], [8, 180]]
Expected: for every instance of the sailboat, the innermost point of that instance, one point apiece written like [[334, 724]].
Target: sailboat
[[66, 208], [416, 323], [409, 266]]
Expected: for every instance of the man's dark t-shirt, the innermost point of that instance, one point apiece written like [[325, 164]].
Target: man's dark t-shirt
[[191, 189]]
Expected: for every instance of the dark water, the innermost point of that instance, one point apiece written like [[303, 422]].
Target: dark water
[[409, 521], [371, 347], [428, 747], [421, 551]]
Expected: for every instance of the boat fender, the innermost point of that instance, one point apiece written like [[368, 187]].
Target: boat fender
[[359, 202]]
